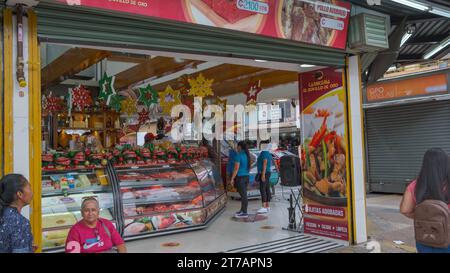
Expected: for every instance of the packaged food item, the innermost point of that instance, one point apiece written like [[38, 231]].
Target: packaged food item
[[57, 184], [101, 177], [84, 181], [71, 182], [64, 183]]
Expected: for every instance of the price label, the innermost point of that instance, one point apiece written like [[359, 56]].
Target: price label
[[332, 23]]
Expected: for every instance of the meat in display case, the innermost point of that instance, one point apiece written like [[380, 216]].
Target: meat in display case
[[141, 200], [62, 195], [169, 197]]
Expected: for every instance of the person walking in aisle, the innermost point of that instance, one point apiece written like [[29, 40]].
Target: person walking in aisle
[[15, 229], [240, 176], [264, 163], [432, 184]]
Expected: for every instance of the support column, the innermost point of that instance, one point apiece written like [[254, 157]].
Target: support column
[[357, 145], [22, 111]]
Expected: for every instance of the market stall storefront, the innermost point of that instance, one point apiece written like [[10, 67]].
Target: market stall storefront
[[95, 31], [404, 117]]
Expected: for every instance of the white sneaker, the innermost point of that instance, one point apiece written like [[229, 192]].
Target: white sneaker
[[263, 210], [268, 208]]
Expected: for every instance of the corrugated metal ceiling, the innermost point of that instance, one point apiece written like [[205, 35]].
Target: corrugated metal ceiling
[[430, 29]]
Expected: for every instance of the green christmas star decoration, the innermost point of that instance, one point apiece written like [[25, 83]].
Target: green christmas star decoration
[[106, 85], [116, 102], [148, 96]]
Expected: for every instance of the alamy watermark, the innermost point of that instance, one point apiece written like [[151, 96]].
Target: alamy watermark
[[236, 122]]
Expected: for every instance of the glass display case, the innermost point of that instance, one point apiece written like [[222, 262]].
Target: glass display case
[[169, 197], [62, 195], [140, 200]]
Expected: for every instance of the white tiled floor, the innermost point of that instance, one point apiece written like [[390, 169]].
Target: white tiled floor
[[223, 233]]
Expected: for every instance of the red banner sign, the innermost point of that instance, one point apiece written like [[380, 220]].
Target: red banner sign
[[326, 229], [322, 23], [324, 156]]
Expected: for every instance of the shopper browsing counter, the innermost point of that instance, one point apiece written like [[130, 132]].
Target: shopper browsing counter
[[240, 176], [93, 234], [263, 163]]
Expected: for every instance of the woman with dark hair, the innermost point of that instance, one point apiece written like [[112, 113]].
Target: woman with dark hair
[[264, 163], [433, 183], [240, 176], [15, 229]]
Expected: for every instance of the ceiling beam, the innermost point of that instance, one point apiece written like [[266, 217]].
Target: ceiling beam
[[219, 73], [269, 78], [128, 59], [70, 63], [156, 67]]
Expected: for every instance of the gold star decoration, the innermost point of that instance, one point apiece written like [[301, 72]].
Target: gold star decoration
[[169, 98], [222, 103], [128, 106], [201, 87]]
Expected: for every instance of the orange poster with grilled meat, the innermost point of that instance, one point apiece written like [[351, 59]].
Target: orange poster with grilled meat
[[324, 153]]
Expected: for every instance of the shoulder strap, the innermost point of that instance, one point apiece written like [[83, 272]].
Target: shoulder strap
[[106, 229]]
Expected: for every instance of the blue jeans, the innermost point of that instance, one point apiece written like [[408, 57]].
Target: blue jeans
[[429, 249]]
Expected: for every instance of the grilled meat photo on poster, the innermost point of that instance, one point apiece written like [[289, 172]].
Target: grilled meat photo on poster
[[225, 14], [302, 22], [324, 149]]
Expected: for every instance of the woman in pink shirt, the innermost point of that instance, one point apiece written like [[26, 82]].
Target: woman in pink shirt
[[93, 234], [432, 183]]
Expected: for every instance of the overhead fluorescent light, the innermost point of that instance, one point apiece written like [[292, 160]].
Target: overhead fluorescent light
[[441, 12], [405, 38], [282, 100], [438, 48], [412, 4], [260, 61], [306, 65], [392, 68], [178, 60]]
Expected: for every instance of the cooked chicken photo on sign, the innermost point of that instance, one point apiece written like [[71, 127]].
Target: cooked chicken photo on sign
[[301, 22]]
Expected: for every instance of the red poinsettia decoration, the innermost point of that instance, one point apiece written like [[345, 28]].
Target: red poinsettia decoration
[[183, 85], [53, 104], [81, 97], [143, 116]]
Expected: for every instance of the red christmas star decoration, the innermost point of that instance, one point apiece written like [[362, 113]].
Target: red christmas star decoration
[[81, 97], [253, 90], [53, 104]]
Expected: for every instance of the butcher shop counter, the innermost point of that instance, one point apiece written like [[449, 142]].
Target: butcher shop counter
[[141, 200]]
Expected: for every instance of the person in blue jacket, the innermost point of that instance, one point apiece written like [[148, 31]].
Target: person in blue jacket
[[240, 176]]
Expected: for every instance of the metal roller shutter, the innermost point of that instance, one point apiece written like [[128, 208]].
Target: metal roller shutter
[[78, 25], [397, 138]]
